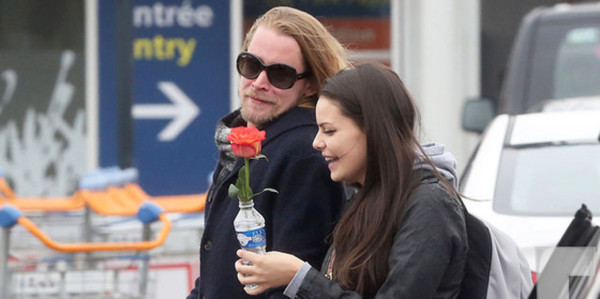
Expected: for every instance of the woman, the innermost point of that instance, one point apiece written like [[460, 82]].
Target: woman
[[403, 233]]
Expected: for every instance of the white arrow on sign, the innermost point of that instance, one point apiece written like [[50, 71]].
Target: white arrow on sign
[[182, 111]]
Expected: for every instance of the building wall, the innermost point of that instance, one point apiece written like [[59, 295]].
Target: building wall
[[439, 60]]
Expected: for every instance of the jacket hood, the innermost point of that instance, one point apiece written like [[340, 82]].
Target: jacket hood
[[444, 162]]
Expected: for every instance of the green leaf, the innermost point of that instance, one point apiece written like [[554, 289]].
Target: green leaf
[[242, 174], [241, 187], [260, 156], [267, 189], [233, 191], [271, 190], [245, 194], [244, 191]]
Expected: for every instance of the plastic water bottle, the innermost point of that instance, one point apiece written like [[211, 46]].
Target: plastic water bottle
[[249, 226]]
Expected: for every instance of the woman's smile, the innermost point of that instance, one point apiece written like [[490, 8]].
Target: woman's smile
[[342, 143]]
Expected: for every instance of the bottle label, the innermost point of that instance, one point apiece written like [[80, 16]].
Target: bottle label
[[252, 238]]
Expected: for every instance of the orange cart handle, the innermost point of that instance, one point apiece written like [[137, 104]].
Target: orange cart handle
[[106, 246]]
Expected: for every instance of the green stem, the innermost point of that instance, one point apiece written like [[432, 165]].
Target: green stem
[[247, 175]]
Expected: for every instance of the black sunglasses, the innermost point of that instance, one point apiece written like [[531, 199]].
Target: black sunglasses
[[280, 75]]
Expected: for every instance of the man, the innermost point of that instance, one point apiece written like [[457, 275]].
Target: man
[[286, 57]]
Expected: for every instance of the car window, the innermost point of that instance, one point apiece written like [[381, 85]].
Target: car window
[[565, 63], [577, 70], [551, 180]]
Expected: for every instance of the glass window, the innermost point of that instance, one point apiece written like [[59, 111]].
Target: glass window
[[550, 180], [565, 62], [362, 26], [42, 105], [577, 70]]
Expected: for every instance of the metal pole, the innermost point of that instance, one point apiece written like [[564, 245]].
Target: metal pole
[[87, 236], [125, 75], [236, 16], [145, 262], [63, 284], [91, 82], [4, 273]]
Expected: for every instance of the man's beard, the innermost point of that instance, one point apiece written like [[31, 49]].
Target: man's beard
[[256, 120]]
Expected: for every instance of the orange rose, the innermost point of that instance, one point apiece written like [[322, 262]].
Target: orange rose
[[245, 141]]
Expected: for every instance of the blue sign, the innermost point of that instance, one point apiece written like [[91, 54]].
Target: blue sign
[[181, 89]]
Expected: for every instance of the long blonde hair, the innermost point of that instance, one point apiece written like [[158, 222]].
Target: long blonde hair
[[323, 54]]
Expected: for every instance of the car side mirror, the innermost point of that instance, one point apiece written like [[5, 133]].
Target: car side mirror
[[477, 114]]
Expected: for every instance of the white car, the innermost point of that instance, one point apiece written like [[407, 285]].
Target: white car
[[532, 172]]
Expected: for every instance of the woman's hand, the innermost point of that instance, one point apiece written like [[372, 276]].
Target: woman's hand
[[271, 270]]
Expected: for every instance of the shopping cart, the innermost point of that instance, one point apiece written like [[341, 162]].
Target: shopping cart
[[102, 211], [120, 270]]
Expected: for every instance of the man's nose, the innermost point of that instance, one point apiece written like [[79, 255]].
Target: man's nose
[[262, 81]]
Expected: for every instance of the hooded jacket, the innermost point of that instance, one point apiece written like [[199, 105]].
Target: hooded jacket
[[429, 249], [298, 219]]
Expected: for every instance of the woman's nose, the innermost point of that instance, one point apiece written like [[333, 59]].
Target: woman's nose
[[318, 144]]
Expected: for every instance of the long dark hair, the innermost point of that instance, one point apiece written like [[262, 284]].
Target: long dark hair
[[377, 100]]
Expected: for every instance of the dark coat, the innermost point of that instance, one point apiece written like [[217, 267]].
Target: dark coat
[[298, 220], [428, 254]]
